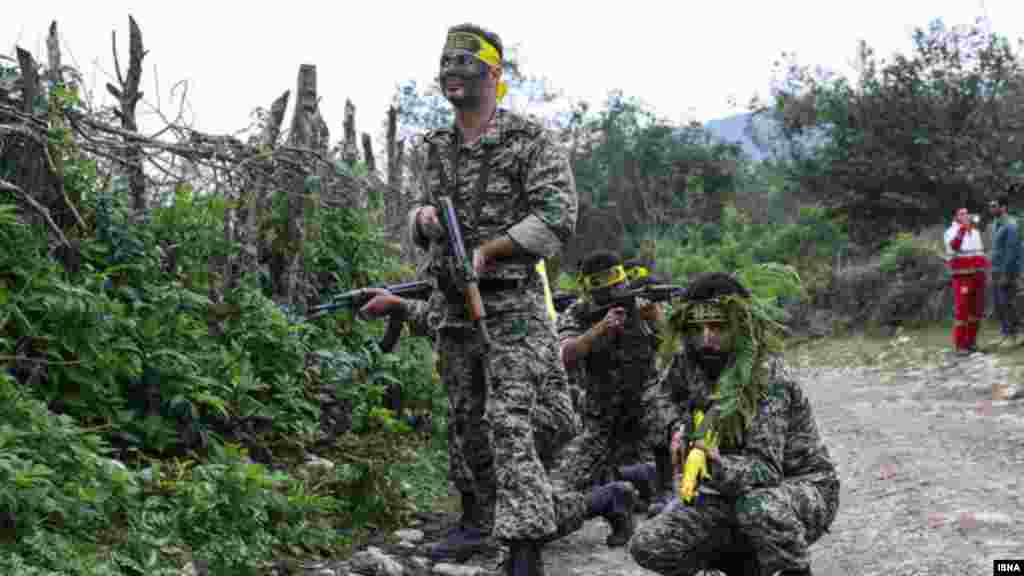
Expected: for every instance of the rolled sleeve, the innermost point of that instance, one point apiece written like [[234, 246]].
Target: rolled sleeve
[[553, 203], [536, 237]]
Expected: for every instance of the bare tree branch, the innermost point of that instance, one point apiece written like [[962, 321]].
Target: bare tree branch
[[39, 208]]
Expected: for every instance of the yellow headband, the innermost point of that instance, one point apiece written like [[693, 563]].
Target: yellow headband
[[705, 312], [604, 278], [637, 272], [482, 49]]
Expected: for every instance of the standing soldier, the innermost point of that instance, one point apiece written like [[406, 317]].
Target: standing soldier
[[968, 262], [1006, 262], [514, 193]]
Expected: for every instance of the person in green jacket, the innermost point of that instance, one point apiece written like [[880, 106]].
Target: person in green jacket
[[1006, 257]]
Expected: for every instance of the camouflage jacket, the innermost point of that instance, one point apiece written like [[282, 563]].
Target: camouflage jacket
[[617, 370], [782, 442], [424, 317], [527, 192]]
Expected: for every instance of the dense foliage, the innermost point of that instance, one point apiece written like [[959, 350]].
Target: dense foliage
[[909, 140], [145, 425]]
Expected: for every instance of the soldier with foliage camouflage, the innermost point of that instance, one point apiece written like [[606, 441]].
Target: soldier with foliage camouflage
[[758, 482], [514, 193]]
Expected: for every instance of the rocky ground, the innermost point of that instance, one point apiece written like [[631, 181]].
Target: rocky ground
[[930, 447]]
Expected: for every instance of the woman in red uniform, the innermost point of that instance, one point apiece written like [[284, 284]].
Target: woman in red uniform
[[968, 262]]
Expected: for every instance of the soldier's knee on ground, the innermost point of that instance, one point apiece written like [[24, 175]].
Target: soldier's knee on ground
[[654, 547], [767, 515]]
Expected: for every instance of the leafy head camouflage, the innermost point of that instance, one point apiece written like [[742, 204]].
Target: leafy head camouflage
[[720, 298], [465, 46]]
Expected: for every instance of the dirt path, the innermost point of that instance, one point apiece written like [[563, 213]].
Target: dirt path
[[931, 461], [931, 455]]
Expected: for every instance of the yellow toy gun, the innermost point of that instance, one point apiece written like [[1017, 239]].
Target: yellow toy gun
[[694, 467]]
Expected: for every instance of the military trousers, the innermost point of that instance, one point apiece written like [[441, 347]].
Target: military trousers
[[772, 526], [555, 423], [492, 396]]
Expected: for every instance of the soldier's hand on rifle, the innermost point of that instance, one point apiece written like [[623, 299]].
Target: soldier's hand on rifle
[[651, 312], [677, 442], [481, 262], [426, 220], [712, 452], [613, 321], [382, 303]]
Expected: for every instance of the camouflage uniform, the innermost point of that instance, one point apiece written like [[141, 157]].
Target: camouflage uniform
[[555, 421], [515, 180], [627, 410], [775, 495]]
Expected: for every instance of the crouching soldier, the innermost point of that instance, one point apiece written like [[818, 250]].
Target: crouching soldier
[[758, 487]]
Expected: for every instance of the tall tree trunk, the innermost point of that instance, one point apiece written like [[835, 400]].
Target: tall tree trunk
[[128, 96], [350, 148], [256, 202], [302, 135], [33, 177], [371, 162]]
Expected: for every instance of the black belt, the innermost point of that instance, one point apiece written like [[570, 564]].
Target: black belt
[[501, 284]]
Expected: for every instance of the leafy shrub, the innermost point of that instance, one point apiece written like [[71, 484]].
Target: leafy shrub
[[738, 245], [127, 421], [904, 250]]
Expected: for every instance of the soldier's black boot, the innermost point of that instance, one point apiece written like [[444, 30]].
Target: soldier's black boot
[[466, 538], [643, 477], [615, 503], [524, 558], [664, 488]]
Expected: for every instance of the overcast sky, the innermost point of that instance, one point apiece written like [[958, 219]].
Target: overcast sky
[[686, 59]]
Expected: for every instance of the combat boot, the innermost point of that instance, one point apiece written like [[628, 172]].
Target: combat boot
[[643, 477], [615, 503], [524, 558], [466, 538], [665, 489]]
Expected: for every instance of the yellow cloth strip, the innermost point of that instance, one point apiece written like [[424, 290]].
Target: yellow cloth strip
[[549, 300], [486, 52], [605, 278]]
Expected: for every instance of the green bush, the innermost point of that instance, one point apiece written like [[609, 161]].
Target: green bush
[[735, 244], [123, 413], [904, 250]]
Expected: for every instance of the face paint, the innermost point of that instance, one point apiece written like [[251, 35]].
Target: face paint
[[462, 78], [602, 295]]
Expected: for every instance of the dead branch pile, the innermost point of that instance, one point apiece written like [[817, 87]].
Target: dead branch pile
[[40, 126]]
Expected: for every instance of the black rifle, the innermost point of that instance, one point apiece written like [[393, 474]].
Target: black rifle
[[650, 292], [356, 299], [563, 301], [461, 267]]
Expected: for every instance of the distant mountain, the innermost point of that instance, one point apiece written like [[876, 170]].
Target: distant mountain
[[737, 129]]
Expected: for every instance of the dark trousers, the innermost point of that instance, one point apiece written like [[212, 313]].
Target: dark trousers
[[1005, 295]]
